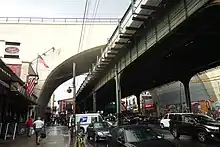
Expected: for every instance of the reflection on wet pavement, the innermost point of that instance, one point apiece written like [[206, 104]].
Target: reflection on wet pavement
[[57, 136]]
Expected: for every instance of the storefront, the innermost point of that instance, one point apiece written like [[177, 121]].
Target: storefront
[[14, 101]]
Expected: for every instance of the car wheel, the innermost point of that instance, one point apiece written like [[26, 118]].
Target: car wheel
[[161, 126], [175, 133], [201, 136]]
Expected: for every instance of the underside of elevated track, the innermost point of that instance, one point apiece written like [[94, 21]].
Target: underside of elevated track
[[189, 49], [64, 72]]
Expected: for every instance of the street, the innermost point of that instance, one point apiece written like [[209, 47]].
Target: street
[[184, 141], [58, 136]]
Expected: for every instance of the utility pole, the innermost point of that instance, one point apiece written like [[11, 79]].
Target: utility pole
[[74, 98], [181, 100]]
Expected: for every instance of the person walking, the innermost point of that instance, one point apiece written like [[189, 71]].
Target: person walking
[[29, 125], [38, 126]]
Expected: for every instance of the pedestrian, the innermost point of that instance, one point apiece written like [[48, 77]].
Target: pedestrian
[[38, 126], [29, 125]]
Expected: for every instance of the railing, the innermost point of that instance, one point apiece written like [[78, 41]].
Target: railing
[[56, 20], [122, 24]]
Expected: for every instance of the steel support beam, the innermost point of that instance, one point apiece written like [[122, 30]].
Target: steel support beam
[[149, 7], [138, 102], [138, 14], [94, 102], [139, 19], [132, 29], [118, 96], [120, 43], [187, 93], [128, 34], [125, 37]]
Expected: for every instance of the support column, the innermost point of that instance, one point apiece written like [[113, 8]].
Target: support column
[[84, 106], [94, 101], [187, 93], [118, 96], [138, 103]]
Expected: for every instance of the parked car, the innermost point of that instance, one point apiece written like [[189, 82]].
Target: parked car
[[218, 119], [136, 136], [165, 121], [200, 126], [98, 131], [111, 120]]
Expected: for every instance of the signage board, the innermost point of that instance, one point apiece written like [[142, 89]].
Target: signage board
[[149, 105], [12, 50], [83, 119], [16, 68]]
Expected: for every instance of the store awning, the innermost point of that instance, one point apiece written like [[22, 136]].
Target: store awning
[[20, 90]]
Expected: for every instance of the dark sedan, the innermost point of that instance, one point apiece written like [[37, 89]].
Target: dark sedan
[[98, 131], [136, 136]]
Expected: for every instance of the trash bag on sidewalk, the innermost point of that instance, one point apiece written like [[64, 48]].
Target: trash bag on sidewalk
[[43, 135]]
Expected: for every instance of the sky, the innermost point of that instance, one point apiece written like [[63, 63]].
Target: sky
[[62, 9]]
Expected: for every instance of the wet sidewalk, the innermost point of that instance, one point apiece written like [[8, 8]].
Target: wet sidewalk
[[57, 136]]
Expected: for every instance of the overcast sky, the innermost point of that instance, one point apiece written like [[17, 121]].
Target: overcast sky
[[64, 9], [61, 8]]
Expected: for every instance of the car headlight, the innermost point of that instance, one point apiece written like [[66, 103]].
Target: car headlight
[[211, 127], [99, 133]]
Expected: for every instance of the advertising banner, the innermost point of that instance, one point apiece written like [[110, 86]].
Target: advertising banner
[[16, 68], [12, 50]]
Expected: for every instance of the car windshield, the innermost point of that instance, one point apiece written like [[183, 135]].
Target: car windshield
[[138, 134], [100, 125], [204, 118]]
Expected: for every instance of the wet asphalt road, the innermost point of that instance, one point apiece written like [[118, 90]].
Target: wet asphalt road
[[58, 136], [184, 141]]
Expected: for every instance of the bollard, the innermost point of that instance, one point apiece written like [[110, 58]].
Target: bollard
[[79, 136], [71, 133]]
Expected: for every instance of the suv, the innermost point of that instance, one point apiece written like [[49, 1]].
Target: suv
[[200, 126], [165, 121]]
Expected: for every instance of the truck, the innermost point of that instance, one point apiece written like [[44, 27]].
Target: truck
[[85, 120]]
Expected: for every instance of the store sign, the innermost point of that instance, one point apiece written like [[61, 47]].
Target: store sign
[[149, 106], [16, 68], [12, 50], [83, 119]]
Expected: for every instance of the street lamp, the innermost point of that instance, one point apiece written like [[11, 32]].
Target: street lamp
[[69, 90]]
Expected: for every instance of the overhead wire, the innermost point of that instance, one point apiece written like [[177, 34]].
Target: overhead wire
[[82, 29], [84, 32], [96, 6]]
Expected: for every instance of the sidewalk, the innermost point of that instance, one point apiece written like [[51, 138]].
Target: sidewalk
[[57, 136]]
